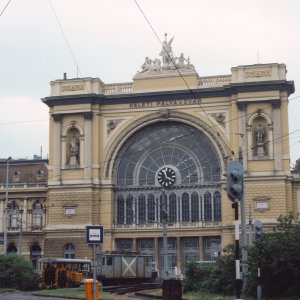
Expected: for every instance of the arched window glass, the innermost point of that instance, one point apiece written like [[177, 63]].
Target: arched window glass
[[142, 209], [11, 248], [207, 207], [69, 251], [185, 207], [37, 216], [120, 209], [151, 208], [172, 208], [13, 215], [195, 207], [217, 206], [129, 209]]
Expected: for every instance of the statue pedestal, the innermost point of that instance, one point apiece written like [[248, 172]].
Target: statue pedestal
[[73, 160], [260, 149]]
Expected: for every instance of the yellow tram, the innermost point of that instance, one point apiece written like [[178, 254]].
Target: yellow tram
[[64, 272]]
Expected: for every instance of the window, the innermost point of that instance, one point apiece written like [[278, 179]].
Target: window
[[212, 248], [172, 208], [195, 207], [124, 244], [207, 207], [151, 208], [35, 255], [120, 209], [217, 206], [13, 216], [185, 207], [142, 209], [69, 251], [37, 216], [129, 209]]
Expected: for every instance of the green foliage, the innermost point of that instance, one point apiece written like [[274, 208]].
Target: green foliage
[[279, 256], [215, 277], [17, 272]]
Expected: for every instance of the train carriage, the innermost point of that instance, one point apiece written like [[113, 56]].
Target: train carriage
[[117, 268]]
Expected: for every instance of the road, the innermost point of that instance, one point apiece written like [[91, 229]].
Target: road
[[25, 296]]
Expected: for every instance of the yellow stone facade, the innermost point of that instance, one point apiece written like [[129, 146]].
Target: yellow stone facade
[[94, 126]]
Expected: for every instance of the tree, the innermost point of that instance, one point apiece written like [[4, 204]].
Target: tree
[[279, 254], [17, 272]]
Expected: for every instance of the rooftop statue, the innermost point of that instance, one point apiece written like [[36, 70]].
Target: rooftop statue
[[168, 60]]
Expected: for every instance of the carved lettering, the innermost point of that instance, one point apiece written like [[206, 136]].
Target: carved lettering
[[258, 74], [165, 103], [72, 87]]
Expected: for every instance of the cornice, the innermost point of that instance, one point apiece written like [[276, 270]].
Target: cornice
[[224, 91]]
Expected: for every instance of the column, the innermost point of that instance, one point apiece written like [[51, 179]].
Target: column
[[242, 110], [25, 214], [277, 135], [201, 249], [2, 201], [178, 255], [87, 146], [156, 253], [57, 148], [134, 244]]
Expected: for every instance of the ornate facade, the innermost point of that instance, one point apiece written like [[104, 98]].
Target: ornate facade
[[118, 151]]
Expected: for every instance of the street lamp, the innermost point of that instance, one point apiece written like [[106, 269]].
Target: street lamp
[[5, 210]]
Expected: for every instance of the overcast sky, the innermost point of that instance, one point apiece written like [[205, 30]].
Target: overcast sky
[[110, 39]]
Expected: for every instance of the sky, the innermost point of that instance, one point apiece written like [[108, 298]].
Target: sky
[[109, 39]]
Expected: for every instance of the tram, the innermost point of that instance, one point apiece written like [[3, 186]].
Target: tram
[[64, 272]]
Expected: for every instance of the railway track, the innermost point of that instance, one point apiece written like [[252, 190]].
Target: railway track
[[121, 290]]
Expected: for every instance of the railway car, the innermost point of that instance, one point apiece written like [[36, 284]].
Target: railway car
[[64, 272], [119, 268]]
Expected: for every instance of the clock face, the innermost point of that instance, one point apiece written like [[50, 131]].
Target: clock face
[[166, 177]]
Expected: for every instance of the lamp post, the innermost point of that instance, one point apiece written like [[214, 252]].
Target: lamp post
[[5, 210]]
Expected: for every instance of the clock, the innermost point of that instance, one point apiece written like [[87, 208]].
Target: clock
[[166, 177]]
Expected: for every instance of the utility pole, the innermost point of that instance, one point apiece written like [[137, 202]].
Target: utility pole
[[165, 237], [5, 210], [235, 191], [244, 233]]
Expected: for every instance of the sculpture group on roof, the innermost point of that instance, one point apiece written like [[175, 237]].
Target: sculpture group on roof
[[168, 60]]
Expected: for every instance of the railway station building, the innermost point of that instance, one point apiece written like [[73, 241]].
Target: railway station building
[[118, 152]]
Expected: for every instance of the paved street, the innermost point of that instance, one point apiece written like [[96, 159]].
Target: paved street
[[25, 296]]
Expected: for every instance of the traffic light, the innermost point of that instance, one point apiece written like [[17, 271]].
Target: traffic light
[[235, 180], [258, 229]]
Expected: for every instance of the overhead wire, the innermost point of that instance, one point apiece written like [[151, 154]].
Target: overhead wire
[[5, 7]]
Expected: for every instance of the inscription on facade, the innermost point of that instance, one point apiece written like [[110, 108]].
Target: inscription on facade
[[258, 74], [72, 87], [165, 103]]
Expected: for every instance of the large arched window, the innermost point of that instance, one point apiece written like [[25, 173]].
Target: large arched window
[[188, 151], [167, 167]]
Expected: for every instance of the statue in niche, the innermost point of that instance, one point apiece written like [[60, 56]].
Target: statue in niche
[[74, 150], [259, 134]]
